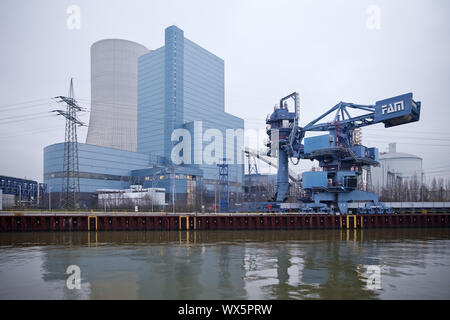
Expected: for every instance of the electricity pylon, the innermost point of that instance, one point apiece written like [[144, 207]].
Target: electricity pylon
[[70, 174]]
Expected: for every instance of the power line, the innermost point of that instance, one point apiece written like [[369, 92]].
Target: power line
[[28, 133], [25, 102], [418, 144], [439, 167], [10, 110], [409, 138], [408, 131], [21, 116], [26, 119]]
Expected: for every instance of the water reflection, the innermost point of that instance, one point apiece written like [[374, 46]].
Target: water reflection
[[309, 264]]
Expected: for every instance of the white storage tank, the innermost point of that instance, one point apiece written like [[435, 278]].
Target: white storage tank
[[113, 118], [396, 166]]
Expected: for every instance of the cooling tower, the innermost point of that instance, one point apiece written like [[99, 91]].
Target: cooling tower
[[113, 118]]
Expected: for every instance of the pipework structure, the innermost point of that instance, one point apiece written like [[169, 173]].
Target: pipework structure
[[224, 193], [340, 157]]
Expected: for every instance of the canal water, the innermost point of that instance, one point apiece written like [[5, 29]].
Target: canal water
[[302, 264]]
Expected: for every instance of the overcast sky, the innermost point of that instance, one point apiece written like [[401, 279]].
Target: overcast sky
[[328, 51]]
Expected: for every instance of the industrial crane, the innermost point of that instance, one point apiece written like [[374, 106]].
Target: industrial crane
[[340, 157]]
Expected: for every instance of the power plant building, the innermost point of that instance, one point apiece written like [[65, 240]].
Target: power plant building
[[99, 167], [179, 86]]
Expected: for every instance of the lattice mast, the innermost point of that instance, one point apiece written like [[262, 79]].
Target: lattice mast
[[224, 193], [254, 183], [70, 174]]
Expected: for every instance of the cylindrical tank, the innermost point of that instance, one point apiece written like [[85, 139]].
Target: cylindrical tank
[[113, 118], [394, 166]]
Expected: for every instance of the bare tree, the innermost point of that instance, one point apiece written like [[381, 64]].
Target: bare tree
[[414, 191]]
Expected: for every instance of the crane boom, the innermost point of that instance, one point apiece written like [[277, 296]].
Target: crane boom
[[339, 156]]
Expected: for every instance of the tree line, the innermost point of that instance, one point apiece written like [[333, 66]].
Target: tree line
[[412, 190]]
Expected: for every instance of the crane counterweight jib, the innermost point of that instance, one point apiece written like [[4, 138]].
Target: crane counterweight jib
[[397, 110]]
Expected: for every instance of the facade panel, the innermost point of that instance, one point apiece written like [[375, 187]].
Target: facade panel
[[151, 116], [174, 84], [99, 167]]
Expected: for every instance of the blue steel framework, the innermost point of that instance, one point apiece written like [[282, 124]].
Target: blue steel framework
[[71, 180], [26, 189], [253, 187], [339, 157]]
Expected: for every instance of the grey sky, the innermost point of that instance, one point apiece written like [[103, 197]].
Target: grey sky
[[322, 49]]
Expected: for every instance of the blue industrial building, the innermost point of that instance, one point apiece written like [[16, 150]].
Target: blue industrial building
[[180, 86], [100, 167], [20, 191]]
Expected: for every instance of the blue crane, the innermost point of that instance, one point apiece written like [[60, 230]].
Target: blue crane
[[339, 155]]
